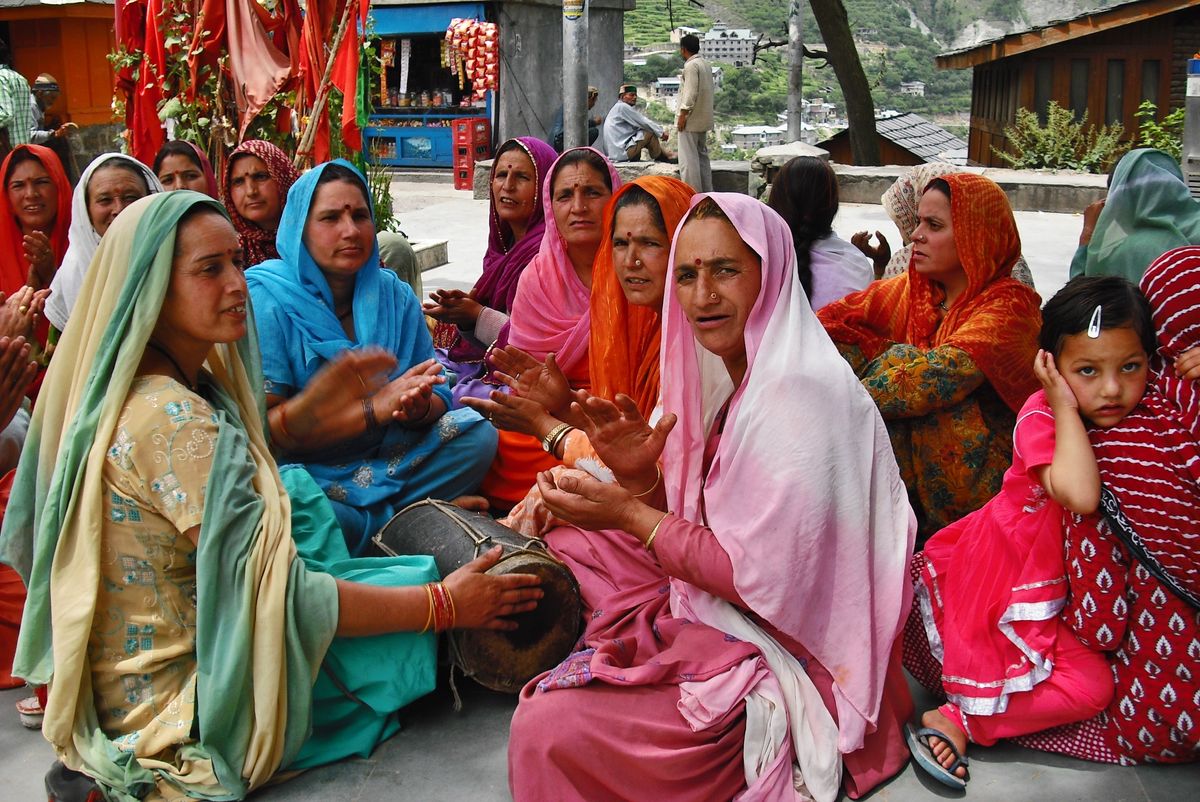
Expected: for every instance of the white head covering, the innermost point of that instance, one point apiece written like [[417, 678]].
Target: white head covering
[[83, 241]]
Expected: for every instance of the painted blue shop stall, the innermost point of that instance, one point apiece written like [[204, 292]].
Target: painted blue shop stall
[[417, 100]]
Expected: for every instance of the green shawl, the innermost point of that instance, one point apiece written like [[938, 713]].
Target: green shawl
[[263, 621], [1148, 212]]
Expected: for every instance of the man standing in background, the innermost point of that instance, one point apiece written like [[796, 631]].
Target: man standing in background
[[16, 117], [695, 118]]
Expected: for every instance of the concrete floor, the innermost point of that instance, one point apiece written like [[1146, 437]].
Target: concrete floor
[[443, 755], [440, 755]]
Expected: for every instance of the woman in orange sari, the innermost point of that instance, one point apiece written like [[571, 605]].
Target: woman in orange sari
[[945, 348], [625, 305]]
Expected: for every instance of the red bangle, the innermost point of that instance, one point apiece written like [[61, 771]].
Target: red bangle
[[443, 607], [429, 621]]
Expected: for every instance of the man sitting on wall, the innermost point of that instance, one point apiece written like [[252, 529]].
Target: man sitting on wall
[[627, 132]]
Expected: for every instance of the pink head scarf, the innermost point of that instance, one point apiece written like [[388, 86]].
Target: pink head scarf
[[803, 492], [550, 311]]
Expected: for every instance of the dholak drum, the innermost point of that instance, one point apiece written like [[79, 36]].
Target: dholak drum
[[500, 660]]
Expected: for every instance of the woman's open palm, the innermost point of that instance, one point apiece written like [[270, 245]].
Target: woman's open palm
[[620, 435]]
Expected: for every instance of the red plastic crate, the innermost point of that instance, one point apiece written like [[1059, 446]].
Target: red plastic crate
[[472, 131], [464, 176], [466, 155]]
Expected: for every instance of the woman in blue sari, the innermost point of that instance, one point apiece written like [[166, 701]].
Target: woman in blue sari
[[324, 296]]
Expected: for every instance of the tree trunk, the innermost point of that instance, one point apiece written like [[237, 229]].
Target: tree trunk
[[795, 108], [843, 55]]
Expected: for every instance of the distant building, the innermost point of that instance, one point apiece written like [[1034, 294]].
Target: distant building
[[681, 31], [914, 88], [666, 90], [752, 137], [1103, 62], [904, 139], [732, 45]]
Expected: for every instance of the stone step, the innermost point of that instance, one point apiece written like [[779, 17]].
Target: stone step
[[431, 253]]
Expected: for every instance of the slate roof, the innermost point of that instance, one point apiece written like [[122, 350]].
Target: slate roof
[[920, 137]]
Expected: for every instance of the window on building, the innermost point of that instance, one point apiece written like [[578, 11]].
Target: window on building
[[1151, 77], [1043, 87], [1114, 92], [1080, 74]]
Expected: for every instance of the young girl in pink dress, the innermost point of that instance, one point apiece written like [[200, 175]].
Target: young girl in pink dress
[[993, 584]]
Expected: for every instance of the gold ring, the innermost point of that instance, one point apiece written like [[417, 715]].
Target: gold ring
[[22, 309]]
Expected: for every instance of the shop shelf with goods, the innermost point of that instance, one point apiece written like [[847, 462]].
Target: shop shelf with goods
[[418, 101]]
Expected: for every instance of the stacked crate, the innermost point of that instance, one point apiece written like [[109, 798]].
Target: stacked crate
[[472, 143]]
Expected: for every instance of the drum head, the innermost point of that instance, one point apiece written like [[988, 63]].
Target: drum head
[[506, 660]]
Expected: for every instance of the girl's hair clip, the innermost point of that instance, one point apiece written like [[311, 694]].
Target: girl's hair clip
[[1093, 329]]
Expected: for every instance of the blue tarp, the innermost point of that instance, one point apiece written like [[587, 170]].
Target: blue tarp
[[434, 18]]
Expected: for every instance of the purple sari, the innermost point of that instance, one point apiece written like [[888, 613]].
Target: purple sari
[[502, 267]]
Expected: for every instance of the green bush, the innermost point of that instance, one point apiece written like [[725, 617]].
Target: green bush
[[1063, 143], [1167, 135]]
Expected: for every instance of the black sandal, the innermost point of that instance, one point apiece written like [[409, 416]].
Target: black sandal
[[922, 752], [65, 785]]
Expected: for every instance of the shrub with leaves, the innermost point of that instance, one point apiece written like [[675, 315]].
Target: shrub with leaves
[[1166, 135], [1063, 143]]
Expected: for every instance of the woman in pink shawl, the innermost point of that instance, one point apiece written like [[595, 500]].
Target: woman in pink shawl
[[550, 311], [468, 323], [763, 662]]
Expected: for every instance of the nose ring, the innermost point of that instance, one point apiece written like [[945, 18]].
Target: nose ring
[[712, 295]]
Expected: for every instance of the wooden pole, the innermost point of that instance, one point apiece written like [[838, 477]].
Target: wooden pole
[[310, 131]]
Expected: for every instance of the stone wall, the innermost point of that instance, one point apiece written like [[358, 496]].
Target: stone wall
[[1028, 190], [97, 139]]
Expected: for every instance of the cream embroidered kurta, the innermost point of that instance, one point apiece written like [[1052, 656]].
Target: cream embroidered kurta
[[142, 647]]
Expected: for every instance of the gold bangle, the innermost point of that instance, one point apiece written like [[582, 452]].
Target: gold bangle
[[550, 441], [429, 620], [657, 479], [654, 531]]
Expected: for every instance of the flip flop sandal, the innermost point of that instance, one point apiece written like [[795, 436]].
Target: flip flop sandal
[[922, 752]]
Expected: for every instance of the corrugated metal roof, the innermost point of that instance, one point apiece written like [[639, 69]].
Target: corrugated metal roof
[[913, 132]]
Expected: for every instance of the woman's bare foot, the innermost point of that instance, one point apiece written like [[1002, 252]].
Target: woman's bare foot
[[473, 503], [936, 720]]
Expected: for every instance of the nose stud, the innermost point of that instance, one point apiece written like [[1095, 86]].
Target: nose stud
[[712, 295], [637, 262]]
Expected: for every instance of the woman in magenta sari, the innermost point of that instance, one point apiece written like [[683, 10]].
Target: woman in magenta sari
[[468, 323], [743, 621]]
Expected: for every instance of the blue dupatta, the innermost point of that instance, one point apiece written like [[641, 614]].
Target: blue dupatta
[[371, 476]]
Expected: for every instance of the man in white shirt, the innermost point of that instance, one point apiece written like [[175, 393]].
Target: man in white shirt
[[627, 132], [695, 118]]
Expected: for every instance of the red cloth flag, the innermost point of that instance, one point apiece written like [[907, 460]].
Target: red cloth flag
[[146, 134], [345, 77], [319, 17], [257, 66]]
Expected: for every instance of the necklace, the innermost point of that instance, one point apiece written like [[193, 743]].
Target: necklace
[[171, 359]]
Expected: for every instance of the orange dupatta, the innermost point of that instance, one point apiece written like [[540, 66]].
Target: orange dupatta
[[624, 339], [996, 320]]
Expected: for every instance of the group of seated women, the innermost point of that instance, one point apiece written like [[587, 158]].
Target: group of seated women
[[702, 404]]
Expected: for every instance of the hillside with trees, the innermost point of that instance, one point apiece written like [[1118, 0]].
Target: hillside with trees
[[897, 41]]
